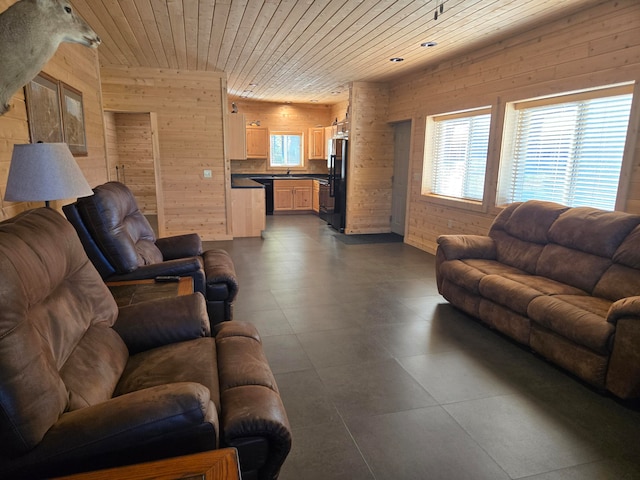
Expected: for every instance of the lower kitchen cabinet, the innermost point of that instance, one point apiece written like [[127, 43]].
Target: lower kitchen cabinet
[[292, 195], [315, 197]]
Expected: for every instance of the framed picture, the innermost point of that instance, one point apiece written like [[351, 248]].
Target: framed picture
[[43, 107], [73, 119]]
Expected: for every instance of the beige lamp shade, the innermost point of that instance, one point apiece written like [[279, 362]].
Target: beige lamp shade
[[44, 172]]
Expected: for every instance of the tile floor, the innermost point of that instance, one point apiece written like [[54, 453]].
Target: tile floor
[[383, 380]]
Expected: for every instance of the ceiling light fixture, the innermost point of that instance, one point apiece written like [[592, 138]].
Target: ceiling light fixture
[[396, 59], [429, 44]]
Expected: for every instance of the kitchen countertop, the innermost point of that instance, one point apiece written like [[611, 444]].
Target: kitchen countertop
[[246, 180], [245, 183]]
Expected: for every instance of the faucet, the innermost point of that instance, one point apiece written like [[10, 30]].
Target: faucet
[[288, 172]]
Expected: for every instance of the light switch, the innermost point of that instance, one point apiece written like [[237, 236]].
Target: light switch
[[207, 174]]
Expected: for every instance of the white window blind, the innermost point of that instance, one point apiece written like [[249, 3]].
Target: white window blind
[[460, 156], [570, 153]]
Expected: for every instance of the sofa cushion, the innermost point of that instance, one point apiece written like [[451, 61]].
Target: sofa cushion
[[468, 273], [573, 267], [518, 253], [593, 231], [531, 220], [122, 232], [51, 295], [93, 369], [579, 318], [507, 292], [618, 282], [192, 361], [628, 253]]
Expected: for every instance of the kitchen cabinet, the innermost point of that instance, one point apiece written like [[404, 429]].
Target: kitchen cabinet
[[237, 144], [257, 142], [316, 144], [248, 212], [292, 195], [315, 197]]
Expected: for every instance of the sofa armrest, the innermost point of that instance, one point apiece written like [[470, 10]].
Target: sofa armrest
[[625, 307], [180, 246], [183, 267], [467, 246], [124, 430], [155, 323]]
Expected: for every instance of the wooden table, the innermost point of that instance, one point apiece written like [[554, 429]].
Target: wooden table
[[134, 291], [219, 464]]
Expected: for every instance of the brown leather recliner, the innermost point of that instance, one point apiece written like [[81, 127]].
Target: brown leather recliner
[[122, 245], [84, 386]]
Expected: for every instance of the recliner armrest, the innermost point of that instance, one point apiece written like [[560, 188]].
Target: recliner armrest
[[154, 323], [180, 246], [467, 246], [120, 429], [182, 267]]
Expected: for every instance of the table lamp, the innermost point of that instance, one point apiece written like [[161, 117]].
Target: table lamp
[[44, 172]]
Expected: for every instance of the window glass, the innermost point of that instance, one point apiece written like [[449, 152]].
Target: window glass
[[285, 150], [569, 152], [456, 154]]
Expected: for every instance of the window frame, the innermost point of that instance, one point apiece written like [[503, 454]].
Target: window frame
[[301, 165], [507, 148], [426, 190]]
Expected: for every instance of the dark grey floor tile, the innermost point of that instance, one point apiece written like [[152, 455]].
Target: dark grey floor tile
[[603, 470], [306, 399], [421, 444], [373, 388], [324, 452], [523, 438], [317, 318], [285, 354], [455, 376], [268, 322], [347, 346]]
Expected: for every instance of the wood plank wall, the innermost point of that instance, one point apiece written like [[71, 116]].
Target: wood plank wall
[[598, 46], [78, 67], [135, 155], [279, 117], [189, 107], [370, 166]]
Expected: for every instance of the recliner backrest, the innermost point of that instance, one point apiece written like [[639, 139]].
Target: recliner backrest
[[58, 351], [123, 234]]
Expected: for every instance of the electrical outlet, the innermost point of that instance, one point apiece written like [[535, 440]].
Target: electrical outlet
[[207, 174]]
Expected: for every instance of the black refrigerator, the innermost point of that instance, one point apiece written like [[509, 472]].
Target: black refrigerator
[[338, 183]]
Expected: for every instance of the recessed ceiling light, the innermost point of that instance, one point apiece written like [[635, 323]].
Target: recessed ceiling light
[[429, 44], [253, 84], [313, 101], [335, 92], [396, 59]]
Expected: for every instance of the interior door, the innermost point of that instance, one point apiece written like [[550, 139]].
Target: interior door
[[402, 148]]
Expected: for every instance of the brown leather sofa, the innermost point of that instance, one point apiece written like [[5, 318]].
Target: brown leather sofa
[[564, 281], [122, 245], [84, 386]]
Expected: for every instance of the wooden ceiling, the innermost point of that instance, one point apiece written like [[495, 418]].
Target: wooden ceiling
[[304, 51]]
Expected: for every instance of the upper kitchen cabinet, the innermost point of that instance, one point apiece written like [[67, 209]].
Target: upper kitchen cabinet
[[316, 144], [237, 136], [257, 142]]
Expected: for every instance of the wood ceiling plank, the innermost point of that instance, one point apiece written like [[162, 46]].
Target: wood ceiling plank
[[128, 40], [148, 19], [132, 15], [205, 23], [176, 18], [161, 14], [221, 13], [234, 19], [287, 16], [191, 13]]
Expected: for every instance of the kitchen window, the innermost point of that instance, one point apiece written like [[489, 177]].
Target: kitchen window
[[285, 150], [566, 149], [456, 147]]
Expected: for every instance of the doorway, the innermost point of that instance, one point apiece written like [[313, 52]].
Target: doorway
[[132, 159], [401, 155]]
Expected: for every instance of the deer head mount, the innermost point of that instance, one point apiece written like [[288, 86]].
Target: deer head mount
[[30, 33]]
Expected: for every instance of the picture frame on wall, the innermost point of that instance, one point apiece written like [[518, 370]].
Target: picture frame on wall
[[42, 95], [73, 119]]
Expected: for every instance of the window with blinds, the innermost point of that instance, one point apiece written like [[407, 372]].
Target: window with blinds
[[458, 154], [568, 150]]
